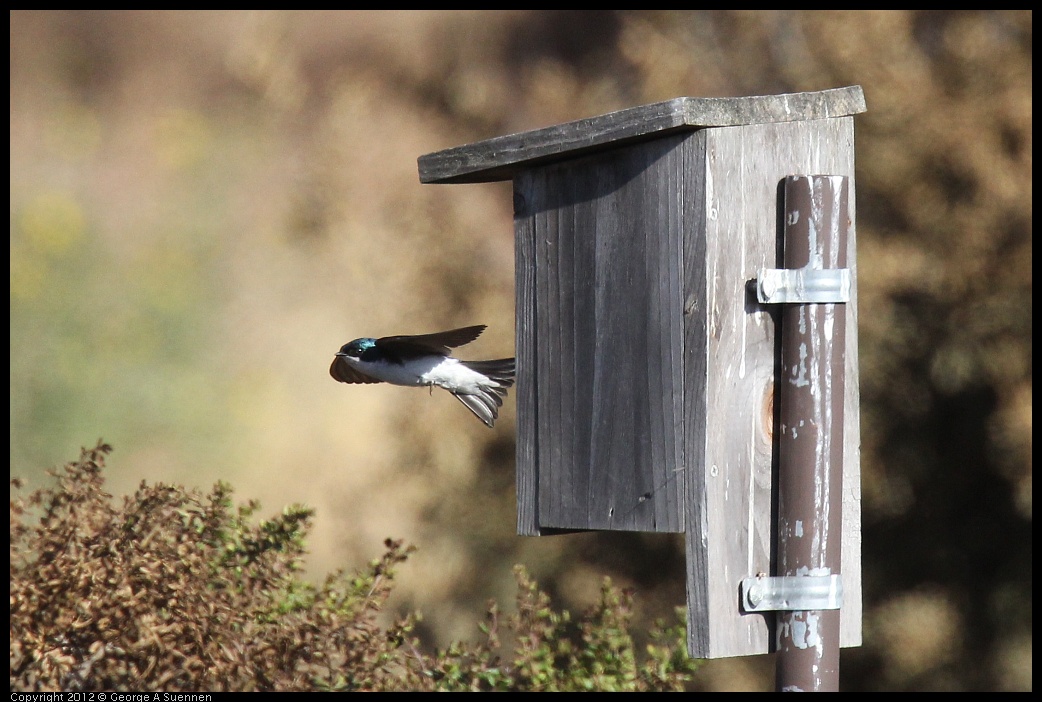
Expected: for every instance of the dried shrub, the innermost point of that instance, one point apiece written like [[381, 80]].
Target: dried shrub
[[179, 591]]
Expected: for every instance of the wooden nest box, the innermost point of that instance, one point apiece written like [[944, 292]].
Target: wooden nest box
[[646, 367]]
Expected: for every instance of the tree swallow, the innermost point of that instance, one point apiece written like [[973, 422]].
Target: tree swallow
[[425, 360]]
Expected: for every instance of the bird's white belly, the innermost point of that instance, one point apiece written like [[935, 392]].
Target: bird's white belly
[[453, 375], [447, 373]]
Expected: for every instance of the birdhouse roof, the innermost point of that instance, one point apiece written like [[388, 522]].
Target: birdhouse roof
[[502, 157]]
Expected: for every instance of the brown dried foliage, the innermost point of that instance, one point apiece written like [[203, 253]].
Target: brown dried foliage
[[178, 591]]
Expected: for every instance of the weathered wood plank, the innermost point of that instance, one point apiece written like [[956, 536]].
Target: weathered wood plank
[[696, 394], [527, 362], [607, 317], [502, 157], [729, 534]]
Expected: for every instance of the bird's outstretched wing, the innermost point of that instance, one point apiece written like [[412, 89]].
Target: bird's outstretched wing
[[341, 370], [403, 347]]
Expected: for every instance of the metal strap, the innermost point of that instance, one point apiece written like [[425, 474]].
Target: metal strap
[[803, 285], [792, 593]]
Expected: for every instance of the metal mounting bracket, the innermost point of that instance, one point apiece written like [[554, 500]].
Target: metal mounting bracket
[[791, 593], [803, 285]]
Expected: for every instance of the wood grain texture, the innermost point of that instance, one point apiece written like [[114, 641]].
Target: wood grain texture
[[699, 513], [526, 361], [503, 157], [729, 503], [603, 235]]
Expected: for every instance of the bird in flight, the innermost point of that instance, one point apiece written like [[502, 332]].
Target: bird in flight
[[426, 360]]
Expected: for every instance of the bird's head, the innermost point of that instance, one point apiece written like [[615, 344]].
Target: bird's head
[[356, 348]]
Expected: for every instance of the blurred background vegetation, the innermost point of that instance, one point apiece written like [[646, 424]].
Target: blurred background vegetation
[[206, 205]]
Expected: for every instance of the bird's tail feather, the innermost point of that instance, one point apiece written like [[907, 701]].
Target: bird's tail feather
[[501, 371], [484, 406], [486, 403]]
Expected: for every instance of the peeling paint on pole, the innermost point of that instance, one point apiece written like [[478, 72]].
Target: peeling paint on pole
[[811, 441]]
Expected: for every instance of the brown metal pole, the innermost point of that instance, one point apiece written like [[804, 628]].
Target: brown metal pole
[[810, 472]]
